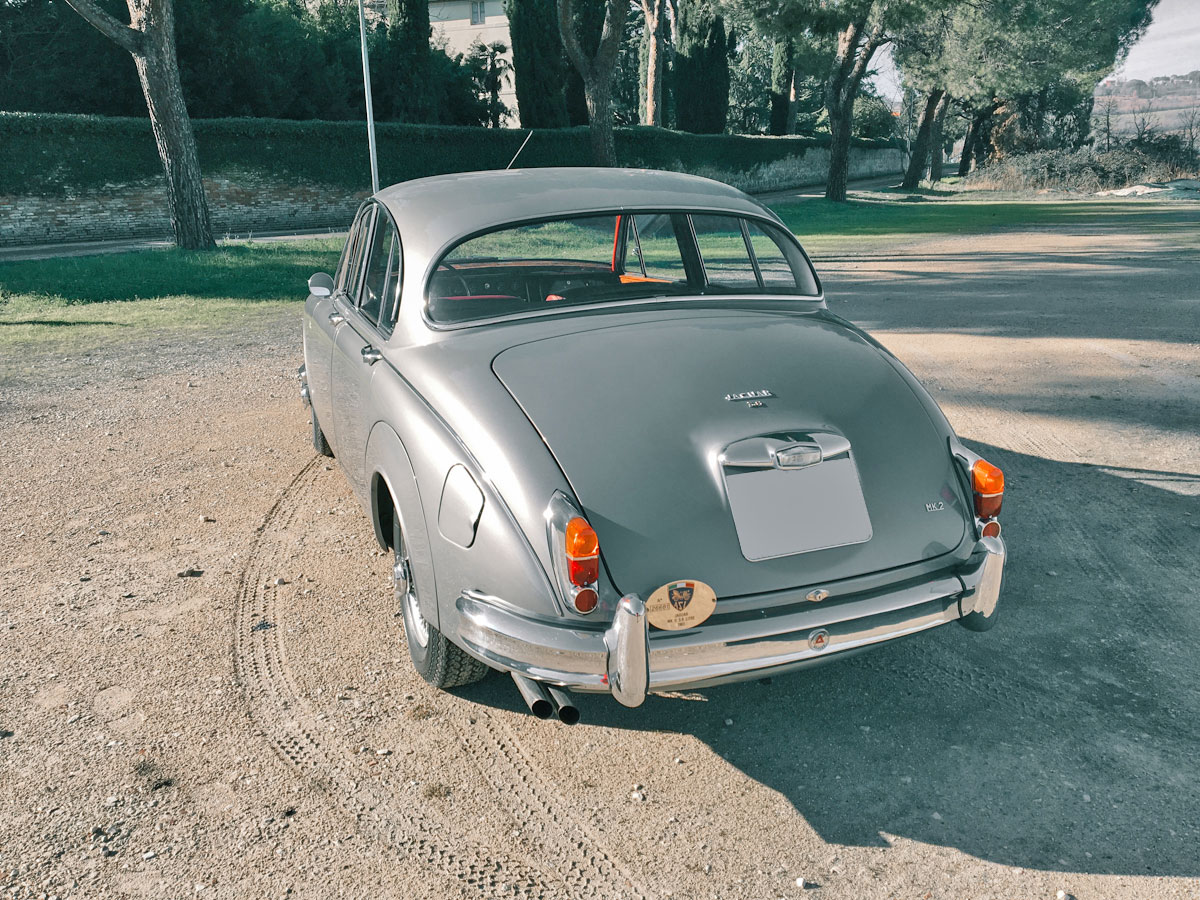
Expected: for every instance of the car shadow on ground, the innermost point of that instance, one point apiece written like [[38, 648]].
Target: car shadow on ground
[[1062, 739]]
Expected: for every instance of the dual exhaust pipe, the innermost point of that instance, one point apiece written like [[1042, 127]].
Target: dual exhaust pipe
[[544, 701]]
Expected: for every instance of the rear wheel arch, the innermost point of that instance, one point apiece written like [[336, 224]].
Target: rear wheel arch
[[395, 498]]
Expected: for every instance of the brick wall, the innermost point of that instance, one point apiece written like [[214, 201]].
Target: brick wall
[[242, 203]]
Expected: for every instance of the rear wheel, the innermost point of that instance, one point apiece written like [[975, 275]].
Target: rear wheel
[[436, 659]]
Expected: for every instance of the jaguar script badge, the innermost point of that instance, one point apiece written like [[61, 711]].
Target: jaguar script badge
[[753, 399], [749, 395]]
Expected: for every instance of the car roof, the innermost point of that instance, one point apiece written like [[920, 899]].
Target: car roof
[[433, 213]]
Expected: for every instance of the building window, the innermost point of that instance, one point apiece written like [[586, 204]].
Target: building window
[[477, 12]]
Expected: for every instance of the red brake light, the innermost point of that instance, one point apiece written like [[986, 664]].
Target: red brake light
[[583, 553], [987, 481]]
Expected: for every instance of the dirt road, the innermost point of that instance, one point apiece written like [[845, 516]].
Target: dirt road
[[204, 692]]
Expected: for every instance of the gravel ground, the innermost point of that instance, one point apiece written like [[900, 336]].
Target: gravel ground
[[204, 692]]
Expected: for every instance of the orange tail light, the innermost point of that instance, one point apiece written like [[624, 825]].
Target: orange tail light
[[987, 481], [583, 553]]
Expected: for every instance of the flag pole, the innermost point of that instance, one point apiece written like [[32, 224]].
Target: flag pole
[[362, 33]]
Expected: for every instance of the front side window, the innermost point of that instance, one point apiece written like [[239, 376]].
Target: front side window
[[350, 266], [382, 280], [613, 257]]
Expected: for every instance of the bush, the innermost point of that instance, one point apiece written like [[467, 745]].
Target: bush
[[55, 154], [1087, 170]]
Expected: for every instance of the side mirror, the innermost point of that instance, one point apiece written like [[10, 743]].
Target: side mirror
[[320, 285]]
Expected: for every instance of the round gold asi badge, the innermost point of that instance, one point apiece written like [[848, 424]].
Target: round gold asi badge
[[680, 604]]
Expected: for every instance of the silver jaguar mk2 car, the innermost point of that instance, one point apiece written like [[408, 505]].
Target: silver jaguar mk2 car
[[617, 443]]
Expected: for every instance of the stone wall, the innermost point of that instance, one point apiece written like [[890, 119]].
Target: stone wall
[[250, 203]]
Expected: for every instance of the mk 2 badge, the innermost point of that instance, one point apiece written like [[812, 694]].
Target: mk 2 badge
[[680, 604]]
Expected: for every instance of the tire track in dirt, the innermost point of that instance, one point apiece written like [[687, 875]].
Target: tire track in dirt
[[576, 866], [503, 763]]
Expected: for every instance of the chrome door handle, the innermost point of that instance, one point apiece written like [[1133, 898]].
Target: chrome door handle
[[370, 355], [336, 318]]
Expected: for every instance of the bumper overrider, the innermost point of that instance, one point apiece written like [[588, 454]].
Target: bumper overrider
[[629, 661]]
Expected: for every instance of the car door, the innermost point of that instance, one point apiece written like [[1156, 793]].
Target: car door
[[358, 345], [321, 326]]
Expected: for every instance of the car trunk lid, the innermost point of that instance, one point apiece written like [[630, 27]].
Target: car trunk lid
[[638, 416]]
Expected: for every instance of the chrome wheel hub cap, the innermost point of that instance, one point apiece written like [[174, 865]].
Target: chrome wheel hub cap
[[402, 578]]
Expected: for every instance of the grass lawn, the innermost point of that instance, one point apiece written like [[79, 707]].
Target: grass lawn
[[81, 301], [825, 227]]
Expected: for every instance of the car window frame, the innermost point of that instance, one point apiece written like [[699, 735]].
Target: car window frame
[[766, 223], [361, 238], [353, 302]]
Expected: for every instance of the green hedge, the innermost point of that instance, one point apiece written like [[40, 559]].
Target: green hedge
[[52, 154]]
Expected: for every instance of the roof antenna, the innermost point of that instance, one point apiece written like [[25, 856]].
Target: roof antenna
[[519, 149]]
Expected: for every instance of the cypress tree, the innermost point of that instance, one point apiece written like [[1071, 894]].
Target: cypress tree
[[538, 63], [408, 36], [701, 75], [783, 69]]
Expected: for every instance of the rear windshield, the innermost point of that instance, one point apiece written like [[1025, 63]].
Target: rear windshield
[[542, 266]]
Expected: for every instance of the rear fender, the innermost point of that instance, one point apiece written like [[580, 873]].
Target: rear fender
[[394, 491], [499, 561]]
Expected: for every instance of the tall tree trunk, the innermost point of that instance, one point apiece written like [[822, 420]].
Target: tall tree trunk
[[150, 38], [597, 72], [937, 140], [652, 89], [599, 101], [982, 133], [855, 48], [964, 160], [793, 104], [839, 154], [920, 147]]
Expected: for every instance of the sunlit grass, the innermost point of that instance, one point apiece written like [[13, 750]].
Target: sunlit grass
[[82, 301]]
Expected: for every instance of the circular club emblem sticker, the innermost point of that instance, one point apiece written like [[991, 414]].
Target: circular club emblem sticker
[[680, 604]]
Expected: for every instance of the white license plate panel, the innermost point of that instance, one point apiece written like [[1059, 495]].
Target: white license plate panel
[[782, 512]]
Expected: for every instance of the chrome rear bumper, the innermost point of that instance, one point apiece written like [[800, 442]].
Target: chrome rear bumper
[[629, 660]]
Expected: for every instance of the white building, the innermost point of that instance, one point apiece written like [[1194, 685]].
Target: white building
[[462, 22]]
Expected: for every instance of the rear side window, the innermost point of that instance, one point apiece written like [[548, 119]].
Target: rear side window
[[725, 254], [656, 247], [777, 273]]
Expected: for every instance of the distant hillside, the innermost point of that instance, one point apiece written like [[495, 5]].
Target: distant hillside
[[1167, 101]]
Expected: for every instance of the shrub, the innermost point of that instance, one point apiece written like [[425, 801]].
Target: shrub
[[1087, 170], [54, 154]]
